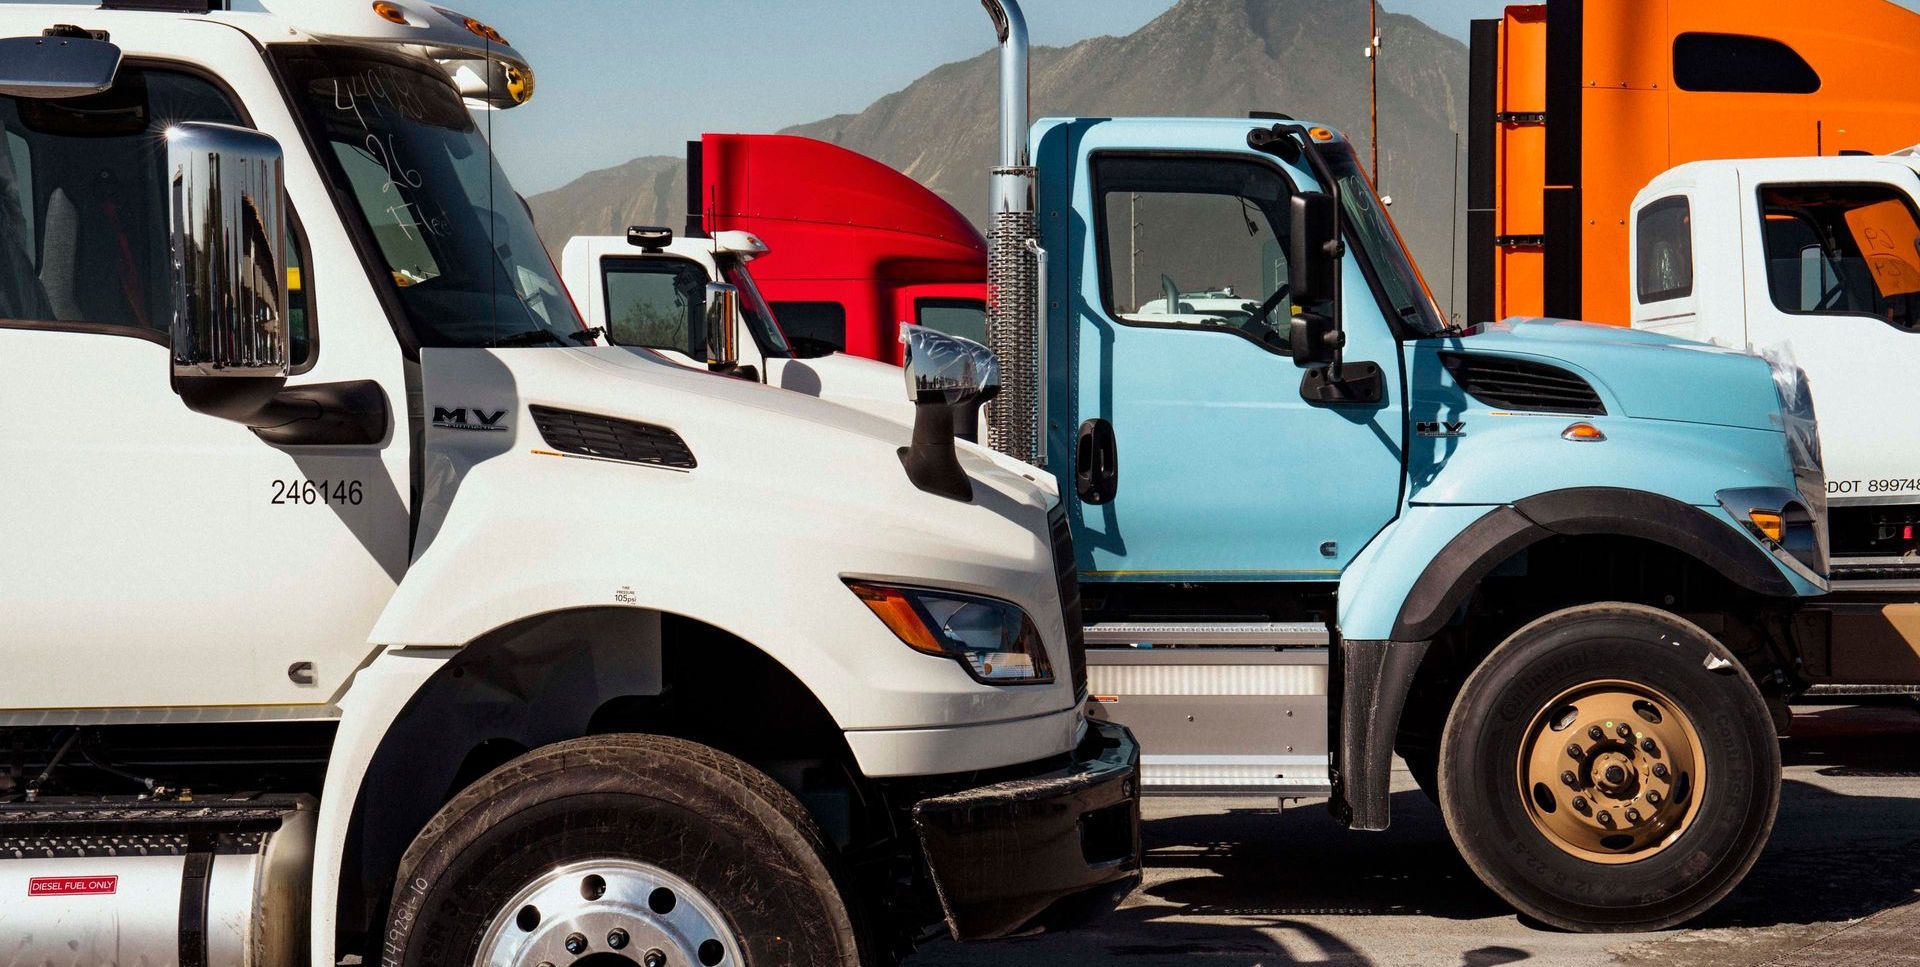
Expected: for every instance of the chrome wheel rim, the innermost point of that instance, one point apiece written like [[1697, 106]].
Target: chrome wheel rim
[[1612, 771], [608, 912]]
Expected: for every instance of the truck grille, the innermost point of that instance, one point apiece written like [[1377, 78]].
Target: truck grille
[[588, 435], [1516, 384], [1067, 573]]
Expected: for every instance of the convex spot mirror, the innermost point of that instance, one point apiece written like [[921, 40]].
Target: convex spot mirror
[[946, 370], [723, 325], [227, 228], [1313, 252], [49, 67]]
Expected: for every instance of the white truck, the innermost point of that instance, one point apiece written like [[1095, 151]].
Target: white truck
[[1816, 260], [694, 301], [358, 601]]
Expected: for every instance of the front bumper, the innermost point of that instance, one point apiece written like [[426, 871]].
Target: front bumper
[[1006, 856]]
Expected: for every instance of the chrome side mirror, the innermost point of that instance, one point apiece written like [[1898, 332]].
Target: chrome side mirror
[[56, 66], [723, 325], [947, 377], [948, 370], [227, 229]]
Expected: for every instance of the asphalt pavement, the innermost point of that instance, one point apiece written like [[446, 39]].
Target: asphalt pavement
[[1237, 883]]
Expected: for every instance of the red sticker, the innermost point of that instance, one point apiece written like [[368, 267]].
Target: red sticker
[[72, 885]]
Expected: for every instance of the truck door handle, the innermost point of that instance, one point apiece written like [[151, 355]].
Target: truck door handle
[[1096, 463]]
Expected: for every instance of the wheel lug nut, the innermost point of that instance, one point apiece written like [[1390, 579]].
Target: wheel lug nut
[[617, 938], [1570, 779], [1606, 818], [1624, 731], [576, 944], [1647, 746], [1653, 797], [1580, 804], [1633, 815], [654, 958], [1574, 750], [1660, 770], [1594, 733]]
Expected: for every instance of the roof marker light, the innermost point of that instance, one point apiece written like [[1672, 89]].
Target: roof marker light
[[390, 12], [1321, 134], [1583, 433]]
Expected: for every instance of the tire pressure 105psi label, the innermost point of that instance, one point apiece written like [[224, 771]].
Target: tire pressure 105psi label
[[1884, 485], [305, 492]]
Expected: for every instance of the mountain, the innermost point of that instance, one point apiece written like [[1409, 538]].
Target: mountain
[[1220, 58]]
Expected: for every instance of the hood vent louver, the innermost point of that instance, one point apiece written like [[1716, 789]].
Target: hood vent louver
[[1518, 384], [606, 438]]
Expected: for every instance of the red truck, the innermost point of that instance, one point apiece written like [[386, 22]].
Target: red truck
[[856, 248]]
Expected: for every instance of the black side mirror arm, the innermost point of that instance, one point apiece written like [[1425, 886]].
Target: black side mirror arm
[[1293, 142]]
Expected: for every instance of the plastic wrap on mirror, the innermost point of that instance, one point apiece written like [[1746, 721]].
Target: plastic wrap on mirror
[[947, 370]]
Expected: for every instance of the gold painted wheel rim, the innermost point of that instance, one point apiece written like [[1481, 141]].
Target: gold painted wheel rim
[[1611, 771]]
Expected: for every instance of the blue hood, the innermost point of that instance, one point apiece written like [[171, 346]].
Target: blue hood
[[1642, 374]]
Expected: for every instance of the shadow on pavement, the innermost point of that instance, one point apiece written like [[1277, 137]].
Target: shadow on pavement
[[1246, 887]]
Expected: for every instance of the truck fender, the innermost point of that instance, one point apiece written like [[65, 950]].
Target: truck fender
[[1451, 577], [1460, 546]]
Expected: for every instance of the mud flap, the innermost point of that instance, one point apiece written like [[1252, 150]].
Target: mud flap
[[1369, 683]]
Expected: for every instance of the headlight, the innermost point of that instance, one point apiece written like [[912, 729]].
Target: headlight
[[994, 641]]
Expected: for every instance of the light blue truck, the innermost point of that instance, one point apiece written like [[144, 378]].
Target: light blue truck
[[1555, 567]]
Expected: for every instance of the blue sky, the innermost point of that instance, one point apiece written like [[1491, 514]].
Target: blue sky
[[624, 78]]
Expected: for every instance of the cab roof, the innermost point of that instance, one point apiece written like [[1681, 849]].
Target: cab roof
[[463, 45]]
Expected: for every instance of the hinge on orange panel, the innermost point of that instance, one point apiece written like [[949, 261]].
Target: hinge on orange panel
[[1520, 241], [1517, 117]]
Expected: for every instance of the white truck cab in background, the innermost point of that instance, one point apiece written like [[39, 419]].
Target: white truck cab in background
[[1815, 260], [694, 301], [360, 601]]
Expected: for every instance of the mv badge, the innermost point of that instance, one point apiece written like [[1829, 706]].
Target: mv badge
[[1438, 429], [469, 418]]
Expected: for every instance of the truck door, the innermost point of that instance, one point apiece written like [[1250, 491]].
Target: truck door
[[158, 557], [1839, 289], [1182, 377]]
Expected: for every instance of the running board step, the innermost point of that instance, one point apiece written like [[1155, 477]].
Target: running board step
[[1271, 633], [1219, 721]]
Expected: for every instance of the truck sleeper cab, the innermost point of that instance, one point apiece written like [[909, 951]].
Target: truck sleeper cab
[[391, 613]]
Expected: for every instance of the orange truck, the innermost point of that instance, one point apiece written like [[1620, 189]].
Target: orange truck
[[1575, 106]]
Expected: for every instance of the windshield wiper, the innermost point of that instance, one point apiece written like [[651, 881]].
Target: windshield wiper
[[587, 336], [532, 337]]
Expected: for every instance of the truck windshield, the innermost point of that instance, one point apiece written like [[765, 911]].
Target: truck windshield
[[451, 236], [753, 306], [1381, 246]]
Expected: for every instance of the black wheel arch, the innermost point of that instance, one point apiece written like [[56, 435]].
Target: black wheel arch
[[1453, 575]]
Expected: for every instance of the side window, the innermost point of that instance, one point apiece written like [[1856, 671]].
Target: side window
[[1195, 243], [87, 176], [814, 325], [966, 318], [1843, 249], [1738, 64], [658, 303], [1664, 240]]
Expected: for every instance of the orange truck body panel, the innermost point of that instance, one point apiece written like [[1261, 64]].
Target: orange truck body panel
[[1576, 106]]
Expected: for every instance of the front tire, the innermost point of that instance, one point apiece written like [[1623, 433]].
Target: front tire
[[607, 848], [1610, 767]]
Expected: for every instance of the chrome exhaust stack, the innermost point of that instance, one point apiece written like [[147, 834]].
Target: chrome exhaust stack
[[1016, 329]]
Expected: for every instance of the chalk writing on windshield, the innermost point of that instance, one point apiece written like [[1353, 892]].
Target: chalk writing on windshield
[[384, 100]]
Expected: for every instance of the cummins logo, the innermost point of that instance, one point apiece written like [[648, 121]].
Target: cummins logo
[[464, 418]]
